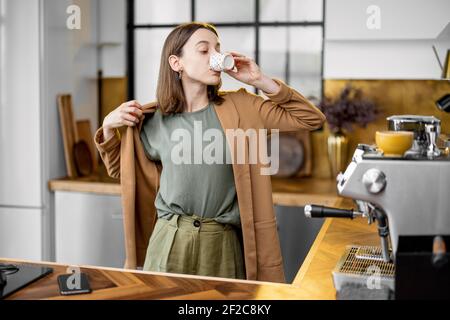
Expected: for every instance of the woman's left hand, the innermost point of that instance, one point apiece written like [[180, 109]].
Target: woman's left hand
[[247, 69]]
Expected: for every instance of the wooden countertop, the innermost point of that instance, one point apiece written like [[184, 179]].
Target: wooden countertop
[[111, 283], [286, 191], [313, 281], [298, 192], [99, 182], [335, 235]]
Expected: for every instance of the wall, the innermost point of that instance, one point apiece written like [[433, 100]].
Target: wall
[[112, 55], [69, 65], [112, 38]]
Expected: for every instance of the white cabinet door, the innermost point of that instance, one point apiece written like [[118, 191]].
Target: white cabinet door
[[398, 19], [400, 49], [20, 159], [380, 60], [21, 233], [89, 229]]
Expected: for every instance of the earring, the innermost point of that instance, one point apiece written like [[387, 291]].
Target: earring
[[179, 74]]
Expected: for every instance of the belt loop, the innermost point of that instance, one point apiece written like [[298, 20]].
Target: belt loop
[[174, 220]]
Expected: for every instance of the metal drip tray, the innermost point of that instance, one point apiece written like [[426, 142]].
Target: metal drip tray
[[370, 253], [364, 265]]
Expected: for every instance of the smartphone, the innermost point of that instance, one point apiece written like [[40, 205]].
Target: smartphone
[[73, 283]]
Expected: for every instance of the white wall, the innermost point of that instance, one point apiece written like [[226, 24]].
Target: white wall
[[399, 49], [112, 37], [69, 65]]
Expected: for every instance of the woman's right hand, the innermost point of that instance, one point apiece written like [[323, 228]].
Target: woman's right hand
[[127, 114]]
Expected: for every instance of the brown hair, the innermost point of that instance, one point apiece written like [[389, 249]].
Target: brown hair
[[169, 92]]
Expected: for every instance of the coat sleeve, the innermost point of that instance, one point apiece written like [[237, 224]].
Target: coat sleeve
[[109, 151], [286, 110]]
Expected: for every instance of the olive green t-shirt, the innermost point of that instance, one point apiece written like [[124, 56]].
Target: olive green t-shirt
[[196, 177]]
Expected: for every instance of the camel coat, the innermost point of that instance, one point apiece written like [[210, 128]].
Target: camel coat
[[124, 157]]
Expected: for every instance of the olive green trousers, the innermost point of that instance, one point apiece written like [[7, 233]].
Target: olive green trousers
[[195, 245]]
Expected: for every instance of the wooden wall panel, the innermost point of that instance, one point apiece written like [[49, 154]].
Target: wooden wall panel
[[114, 93]]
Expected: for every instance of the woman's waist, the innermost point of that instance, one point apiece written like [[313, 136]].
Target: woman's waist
[[195, 221], [206, 209]]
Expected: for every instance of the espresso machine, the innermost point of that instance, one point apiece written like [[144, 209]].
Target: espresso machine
[[409, 199]]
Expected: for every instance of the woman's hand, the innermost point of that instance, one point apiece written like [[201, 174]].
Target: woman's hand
[[249, 72], [127, 114]]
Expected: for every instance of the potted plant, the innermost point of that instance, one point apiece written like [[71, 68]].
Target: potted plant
[[348, 109]]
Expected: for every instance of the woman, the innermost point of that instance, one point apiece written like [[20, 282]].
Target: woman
[[212, 219]]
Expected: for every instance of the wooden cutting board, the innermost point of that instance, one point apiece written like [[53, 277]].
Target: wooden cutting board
[[83, 158], [69, 132], [85, 133]]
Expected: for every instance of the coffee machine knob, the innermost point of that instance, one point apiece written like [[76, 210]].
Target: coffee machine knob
[[374, 180]]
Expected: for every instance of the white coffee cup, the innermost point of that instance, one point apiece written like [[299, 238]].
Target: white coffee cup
[[221, 61]]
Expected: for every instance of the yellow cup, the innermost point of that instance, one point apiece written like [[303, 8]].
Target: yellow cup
[[394, 143]]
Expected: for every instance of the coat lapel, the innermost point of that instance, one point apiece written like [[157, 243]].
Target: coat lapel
[[229, 119], [131, 160]]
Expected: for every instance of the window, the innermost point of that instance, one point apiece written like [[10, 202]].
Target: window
[[285, 37]]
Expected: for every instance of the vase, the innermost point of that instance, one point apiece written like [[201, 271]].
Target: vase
[[337, 152]]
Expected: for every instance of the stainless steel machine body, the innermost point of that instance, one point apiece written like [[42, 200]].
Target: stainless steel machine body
[[412, 193]]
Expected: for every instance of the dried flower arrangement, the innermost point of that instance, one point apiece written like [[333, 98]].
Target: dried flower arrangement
[[348, 109]]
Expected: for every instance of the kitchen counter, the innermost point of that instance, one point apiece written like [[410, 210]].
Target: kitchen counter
[[99, 183], [110, 283], [285, 191], [313, 281], [297, 192], [336, 234]]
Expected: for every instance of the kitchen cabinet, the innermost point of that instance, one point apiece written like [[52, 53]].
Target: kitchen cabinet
[[399, 19], [409, 60], [40, 58], [297, 234], [20, 113], [21, 231], [89, 229], [24, 216], [401, 48]]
